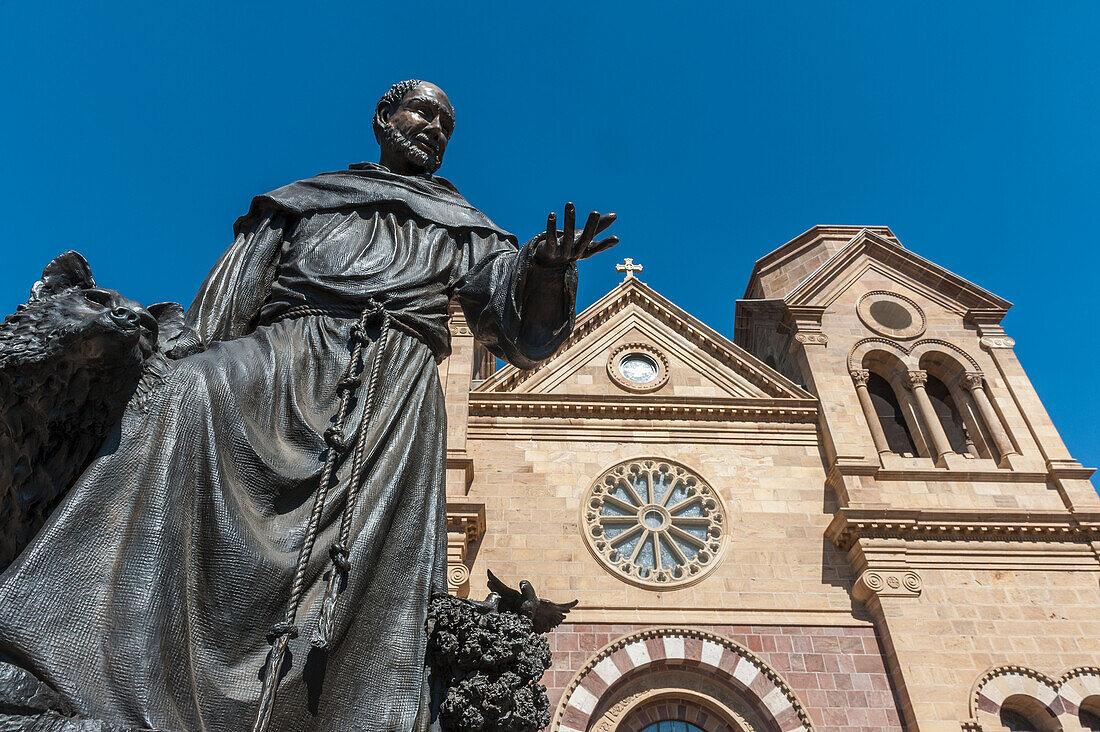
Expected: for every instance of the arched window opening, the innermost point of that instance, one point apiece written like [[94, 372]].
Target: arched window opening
[[950, 418], [1021, 713], [673, 725], [1016, 721], [1089, 714], [890, 416]]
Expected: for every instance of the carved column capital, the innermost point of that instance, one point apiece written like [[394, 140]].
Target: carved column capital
[[917, 378], [972, 380], [887, 583], [860, 376]]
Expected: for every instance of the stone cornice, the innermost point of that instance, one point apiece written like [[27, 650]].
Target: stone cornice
[[949, 285], [803, 242], [851, 524], [488, 404], [634, 291]]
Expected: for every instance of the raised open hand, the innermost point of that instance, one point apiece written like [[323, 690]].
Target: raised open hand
[[556, 248]]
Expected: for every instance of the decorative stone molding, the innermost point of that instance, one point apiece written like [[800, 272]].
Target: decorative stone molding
[[647, 350], [991, 342], [1060, 697], [891, 314], [712, 704], [457, 324], [638, 407], [850, 525], [654, 523], [860, 376], [812, 339], [887, 583], [628, 658], [1076, 685], [910, 355], [635, 293], [465, 527]]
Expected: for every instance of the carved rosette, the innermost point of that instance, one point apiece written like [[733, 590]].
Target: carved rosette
[[812, 339], [991, 342], [887, 583], [654, 523]]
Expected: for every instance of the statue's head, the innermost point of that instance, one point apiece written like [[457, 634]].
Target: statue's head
[[412, 123]]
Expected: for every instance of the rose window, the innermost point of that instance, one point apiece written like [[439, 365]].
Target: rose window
[[655, 523]]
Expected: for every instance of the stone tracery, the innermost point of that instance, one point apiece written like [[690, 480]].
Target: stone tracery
[[655, 523]]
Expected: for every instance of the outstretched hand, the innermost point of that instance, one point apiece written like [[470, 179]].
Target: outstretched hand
[[557, 248]]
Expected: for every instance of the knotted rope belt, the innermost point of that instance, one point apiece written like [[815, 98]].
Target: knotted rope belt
[[339, 443]]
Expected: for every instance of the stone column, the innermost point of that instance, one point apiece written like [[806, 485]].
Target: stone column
[[455, 375], [973, 381], [860, 377], [932, 424]]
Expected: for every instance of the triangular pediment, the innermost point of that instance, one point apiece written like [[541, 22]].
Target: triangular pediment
[[870, 251], [696, 362]]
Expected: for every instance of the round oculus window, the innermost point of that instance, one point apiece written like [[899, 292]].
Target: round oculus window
[[654, 523], [637, 368], [891, 314]]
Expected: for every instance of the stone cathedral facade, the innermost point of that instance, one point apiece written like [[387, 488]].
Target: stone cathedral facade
[[856, 515]]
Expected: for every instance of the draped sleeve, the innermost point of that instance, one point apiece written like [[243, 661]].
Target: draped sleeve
[[522, 312], [230, 298]]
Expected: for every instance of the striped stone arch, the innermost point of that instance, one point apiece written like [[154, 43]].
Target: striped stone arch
[[999, 684], [660, 649], [1077, 685]]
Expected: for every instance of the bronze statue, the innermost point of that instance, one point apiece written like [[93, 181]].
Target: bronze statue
[[272, 516]]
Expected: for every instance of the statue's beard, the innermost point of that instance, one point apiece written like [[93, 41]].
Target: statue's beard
[[394, 140]]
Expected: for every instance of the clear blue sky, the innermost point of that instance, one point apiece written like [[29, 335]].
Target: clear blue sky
[[137, 132]]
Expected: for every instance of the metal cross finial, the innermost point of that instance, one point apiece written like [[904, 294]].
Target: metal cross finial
[[629, 267]]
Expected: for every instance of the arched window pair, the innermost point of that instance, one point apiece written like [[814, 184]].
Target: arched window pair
[[1020, 699], [1022, 713], [928, 418]]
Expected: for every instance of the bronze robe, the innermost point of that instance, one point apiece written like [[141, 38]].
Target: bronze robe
[[146, 598]]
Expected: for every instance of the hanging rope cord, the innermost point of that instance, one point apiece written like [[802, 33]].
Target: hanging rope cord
[[338, 444]]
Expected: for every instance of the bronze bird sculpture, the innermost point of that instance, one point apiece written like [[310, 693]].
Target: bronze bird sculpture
[[544, 615]]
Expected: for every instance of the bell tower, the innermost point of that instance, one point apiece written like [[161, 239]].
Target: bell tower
[[953, 484]]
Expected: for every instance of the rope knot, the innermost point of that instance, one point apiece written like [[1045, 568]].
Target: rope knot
[[339, 554], [349, 382], [334, 438], [283, 627]]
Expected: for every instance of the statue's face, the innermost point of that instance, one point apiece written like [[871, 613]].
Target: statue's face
[[417, 130]]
